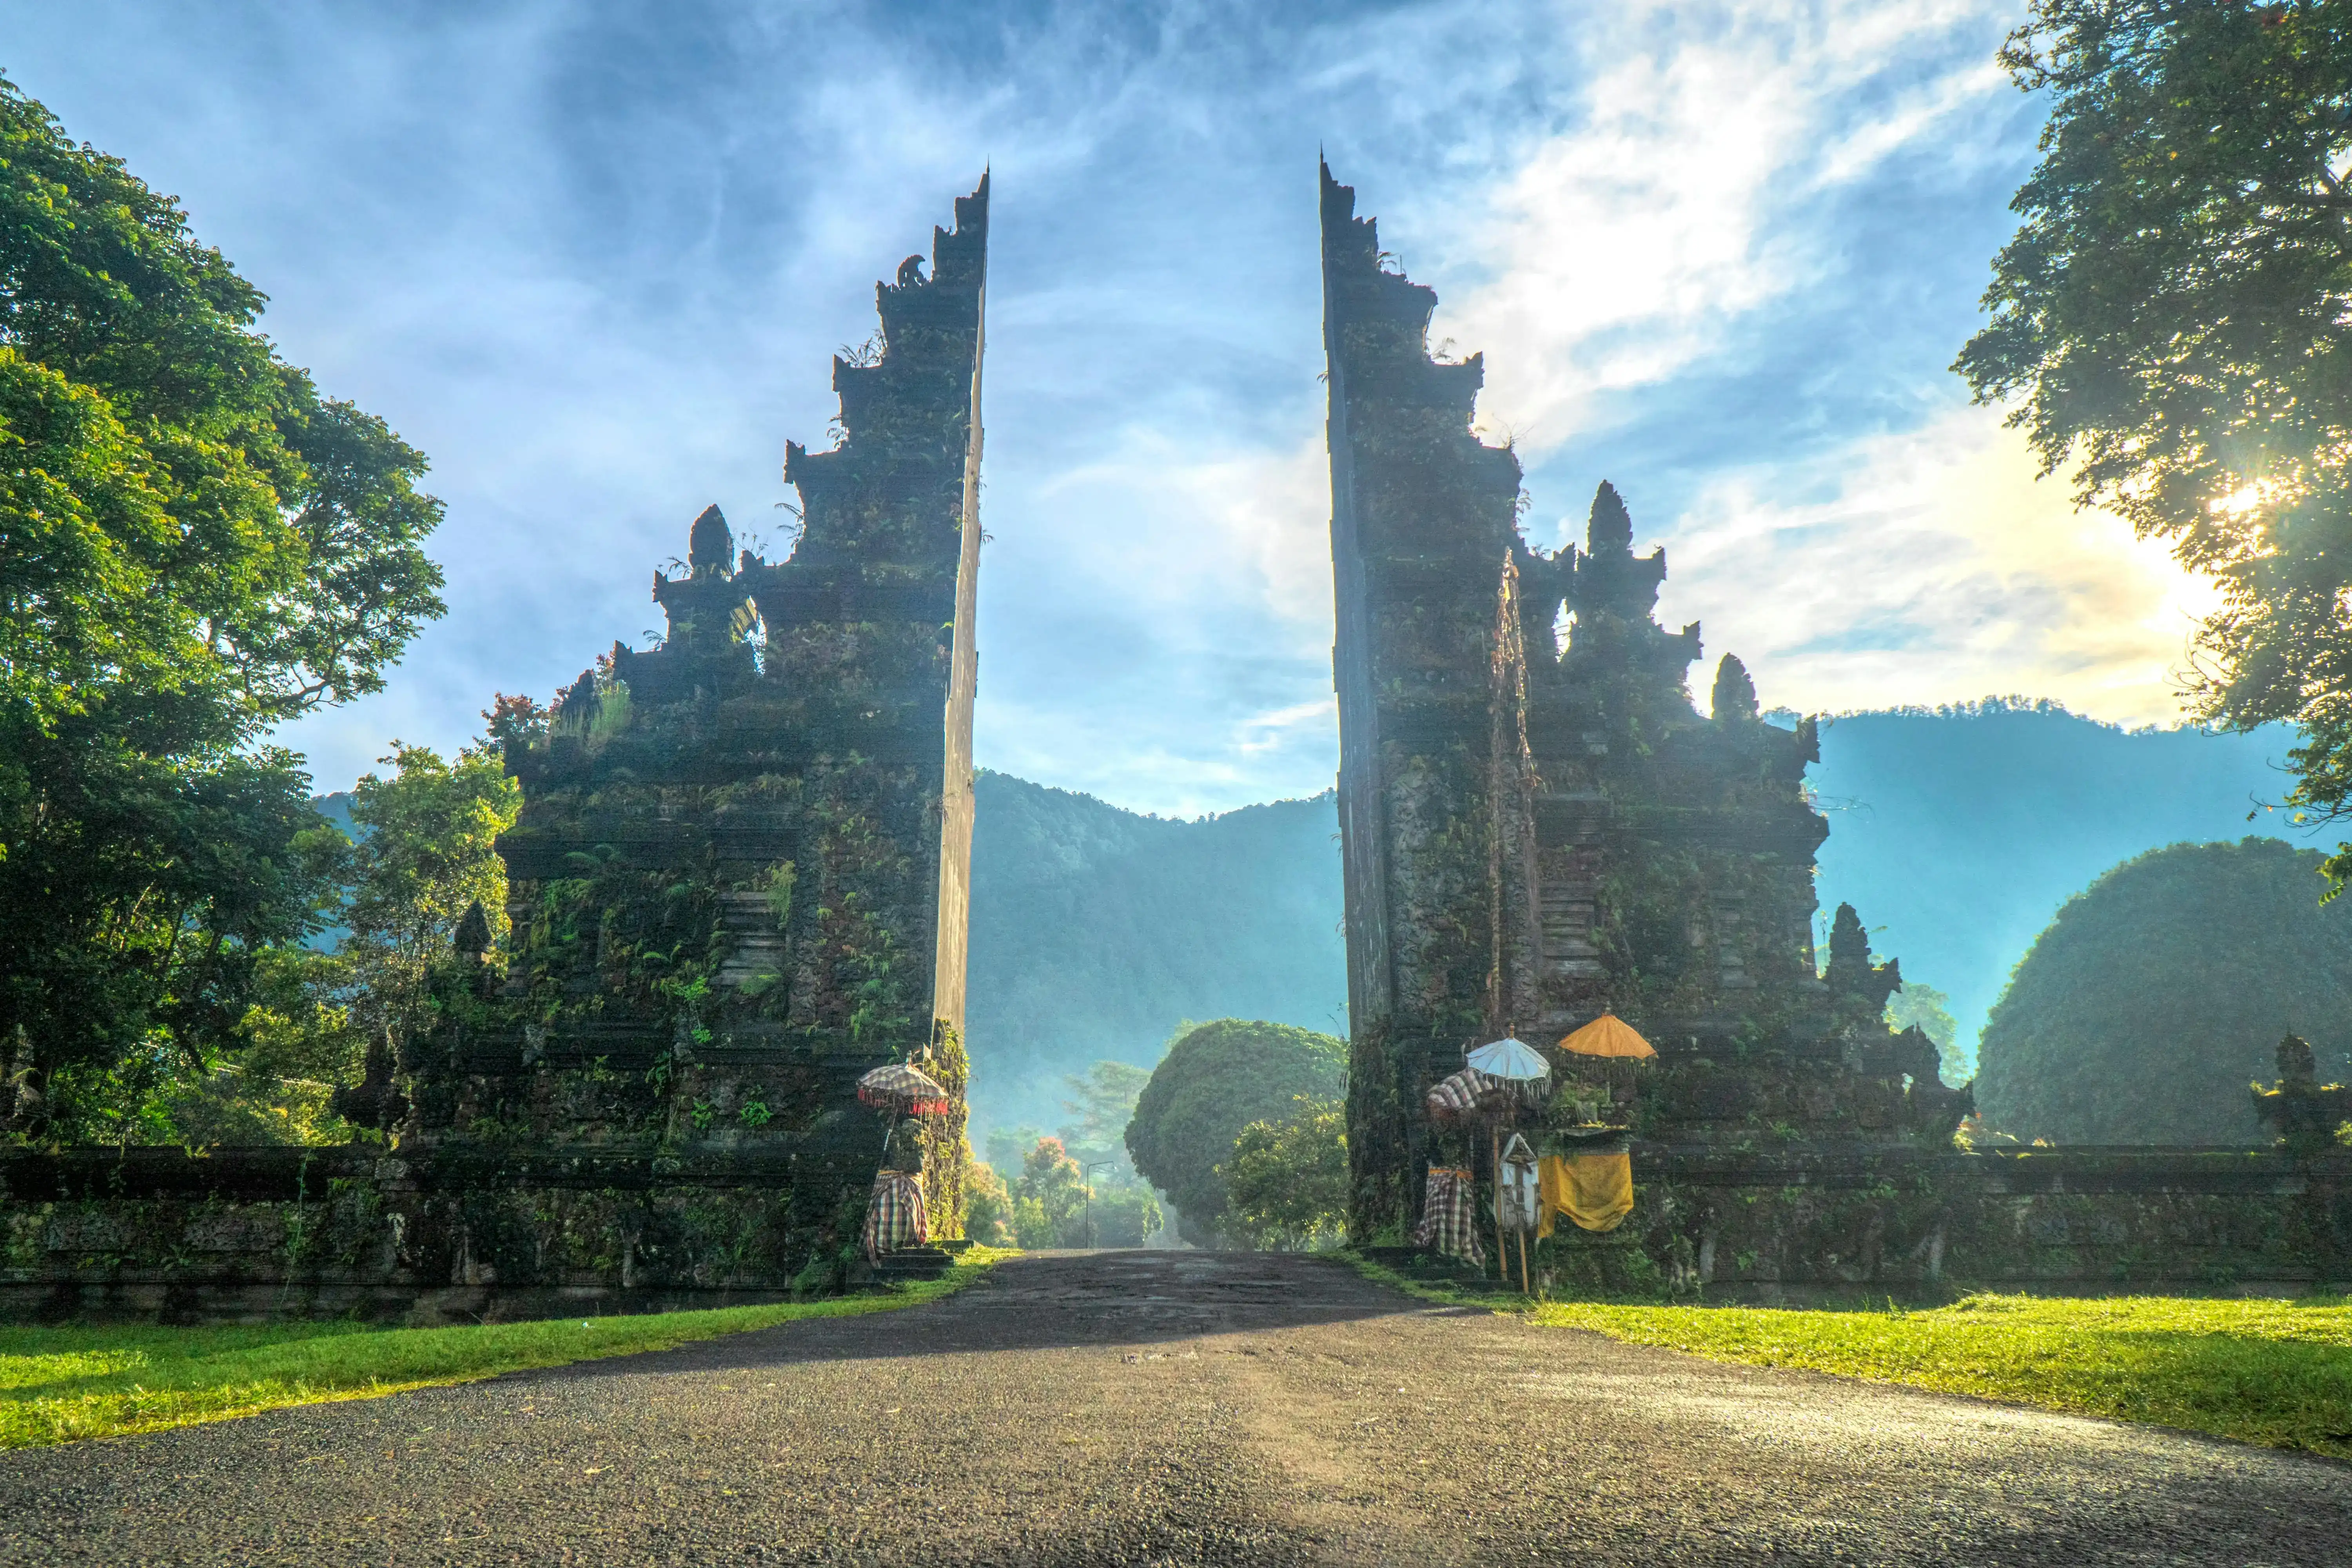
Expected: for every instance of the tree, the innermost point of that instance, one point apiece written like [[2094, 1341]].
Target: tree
[[1106, 1095], [2175, 316], [1286, 1181], [987, 1207], [1049, 1198], [2161, 991], [1931, 1010], [194, 545], [1216, 1079], [426, 854]]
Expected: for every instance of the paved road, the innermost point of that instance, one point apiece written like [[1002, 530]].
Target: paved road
[[1133, 1407]]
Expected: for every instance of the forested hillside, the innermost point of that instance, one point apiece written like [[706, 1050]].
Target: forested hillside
[[1096, 931]]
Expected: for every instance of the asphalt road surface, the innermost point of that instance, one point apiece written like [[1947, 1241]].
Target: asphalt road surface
[[1143, 1407]]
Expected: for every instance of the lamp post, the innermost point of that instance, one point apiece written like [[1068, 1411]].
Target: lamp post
[[1084, 1173]]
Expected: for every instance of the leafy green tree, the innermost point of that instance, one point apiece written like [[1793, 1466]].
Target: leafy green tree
[[1930, 1010], [1104, 1102], [1123, 1215], [427, 852], [1006, 1145], [1049, 1198], [2161, 991], [2175, 315], [1217, 1079], [194, 545], [987, 1207], [1286, 1181]]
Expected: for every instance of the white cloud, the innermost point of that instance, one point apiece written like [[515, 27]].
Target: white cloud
[[1619, 250], [1938, 569]]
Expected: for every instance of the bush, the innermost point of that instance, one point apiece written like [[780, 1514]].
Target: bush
[[1127, 1216], [1287, 1182], [1216, 1079], [987, 1207]]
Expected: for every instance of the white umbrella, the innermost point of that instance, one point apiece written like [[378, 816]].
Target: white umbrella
[[1510, 1058]]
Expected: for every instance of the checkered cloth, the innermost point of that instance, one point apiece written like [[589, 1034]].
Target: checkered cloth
[[896, 1217], [1449, 1216], [1463, 1094]]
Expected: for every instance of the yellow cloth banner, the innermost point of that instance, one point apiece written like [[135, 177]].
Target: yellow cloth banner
[[1596, 1191]]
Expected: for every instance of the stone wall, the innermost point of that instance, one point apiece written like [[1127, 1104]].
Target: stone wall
[[248, 1235], [1808, 1225]]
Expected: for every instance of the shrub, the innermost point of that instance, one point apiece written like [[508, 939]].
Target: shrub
[[1287, 1182]]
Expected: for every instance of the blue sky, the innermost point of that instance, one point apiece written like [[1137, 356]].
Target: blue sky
[[593, 259]]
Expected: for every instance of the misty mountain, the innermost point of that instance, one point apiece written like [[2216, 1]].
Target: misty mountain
[[1957, 835]]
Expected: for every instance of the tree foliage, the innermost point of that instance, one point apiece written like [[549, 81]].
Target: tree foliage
[[1931, 1010], [2175, 315], [1103, 1103], [1049, 1197], [2159, 993], [426, 852], [1286, 1181], [194, 545], [1216, 1079]]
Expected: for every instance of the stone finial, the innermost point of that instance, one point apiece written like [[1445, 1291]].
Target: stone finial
[[1849, 949], [1611, 527], [376, 1101], [2296, 1062], [710, 545], [1851, 971], [576, 705], [473, 935], [1734, 693]]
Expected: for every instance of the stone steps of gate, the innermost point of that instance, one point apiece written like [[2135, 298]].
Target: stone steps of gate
[[758, 949]]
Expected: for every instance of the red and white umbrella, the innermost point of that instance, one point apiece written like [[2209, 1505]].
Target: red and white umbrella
[[909, 1090]]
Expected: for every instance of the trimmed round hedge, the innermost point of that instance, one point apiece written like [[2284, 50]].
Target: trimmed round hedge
[[1217, 1079]]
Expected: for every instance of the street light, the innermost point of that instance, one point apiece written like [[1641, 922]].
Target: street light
[[1084, 1173]]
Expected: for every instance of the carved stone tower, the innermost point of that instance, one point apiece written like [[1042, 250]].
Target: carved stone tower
[[1533, 832], [740, 876]]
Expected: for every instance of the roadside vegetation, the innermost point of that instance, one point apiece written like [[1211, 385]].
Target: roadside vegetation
[[1078, 1188], [2268, 1372], [108, 1380], [1217, 1079]]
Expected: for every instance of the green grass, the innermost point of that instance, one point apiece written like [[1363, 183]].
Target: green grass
[[2269, 1371], [102, 1380]]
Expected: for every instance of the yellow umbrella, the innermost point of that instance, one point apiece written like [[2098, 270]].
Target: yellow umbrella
[[1607, 1035]]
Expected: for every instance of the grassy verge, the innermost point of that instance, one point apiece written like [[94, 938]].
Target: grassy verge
[[2267, 1372], [76, 1381]]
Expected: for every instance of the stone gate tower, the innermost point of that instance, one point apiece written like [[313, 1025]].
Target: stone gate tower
[[1535, 828], [740, 877]]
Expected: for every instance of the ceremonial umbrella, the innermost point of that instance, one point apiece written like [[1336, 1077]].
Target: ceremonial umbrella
[[1510, 1058], [1607, 1035], [1519, 1069], [907, 1091], [1459, 1096]]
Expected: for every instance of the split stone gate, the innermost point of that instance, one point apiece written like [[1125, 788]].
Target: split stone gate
[[740, 880]]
